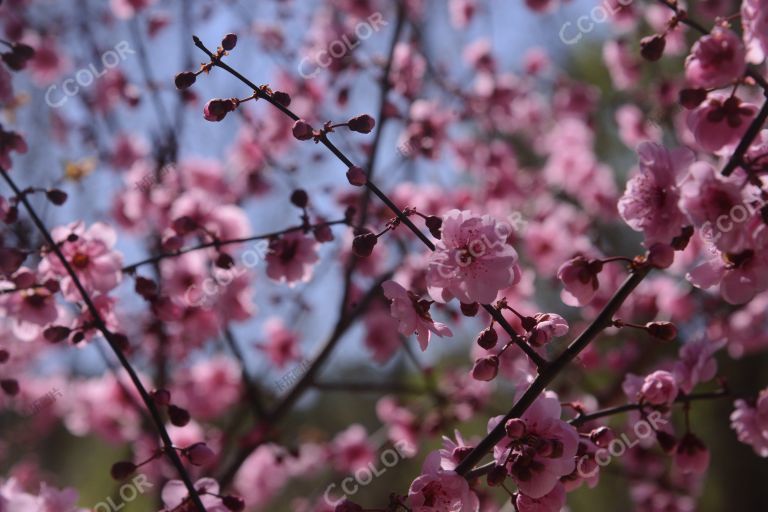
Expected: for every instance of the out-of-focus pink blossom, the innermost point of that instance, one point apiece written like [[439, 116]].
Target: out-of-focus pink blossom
[[720, 122], [413, 314], [281, 344], [754, 20], [750, 421], [659, 388], [716, 60], [291, 258], [440, 490]]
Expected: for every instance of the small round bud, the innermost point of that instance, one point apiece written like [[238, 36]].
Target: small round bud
[[178, 416], [78, 337], [161, 397], [302, 130], [485, 368], [56, 333], [199, 454], [362, 124], [300, 198], [225, 261], [515, 428], [184, 80], [52, 285], [356, 176], [652, 47], [282, 98], [233, 503], [229, 42], [56, 196], [488, 338], [666, 331], [601, 436], [470, 309], [363, 244], [123, 469], [217, 109]]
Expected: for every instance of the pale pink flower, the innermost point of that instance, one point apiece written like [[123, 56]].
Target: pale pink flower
[[96, 264], [696, 363], [754, 19], [650, 201], [659, 388], [716, 60], [440, 490], [750, 421], [412, 314], [291, 258], [352, 449], [472, 261], [546, 452], [720, 122], [175, 493], [262, 475], [13, 498], [462, 12], [579, 276], [740, 276], [282, 344]]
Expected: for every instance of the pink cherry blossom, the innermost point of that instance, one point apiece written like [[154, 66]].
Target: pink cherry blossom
[[91, 256], [754, 19], [472, 261], [650, 201], [553, 501], [412, 314], [548, 326], [175, 494], [659, 388], [579, 276], [547, 452], [696, 363], [291, 258], [691, 455], [440, 490], [720, 122], [352, 449], [750, 421], [281, 345], [716, 60]]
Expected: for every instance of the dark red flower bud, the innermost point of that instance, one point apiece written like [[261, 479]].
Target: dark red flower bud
[[56, 196], [147, 288], [356, 176], [302, 130], [225, 261], [488, 338], [434, 224], [215, 110], [184, 80], [120, 341], [362, 124], [680, 242], [363, 244], [485, 368], [666, 331], [52, 285], [300, 198], [652, 47], [229, 42], [78, 337], [178, 416], [282, 98], [233, 503], [184, 225], [470, 309], [161, 397], [123, 469], [199, 454], [56, 333]]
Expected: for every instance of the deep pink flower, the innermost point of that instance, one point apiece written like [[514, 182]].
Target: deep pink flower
[[352, 449], [579, 276], [716, 60], [90, 255], [750, 421], [472, 261], [691, 455], [291, 258], [553, 501], [720, 122], [754, 20], [413, 314], [650, 201], [546, 452], [440, 490], [659, 388]]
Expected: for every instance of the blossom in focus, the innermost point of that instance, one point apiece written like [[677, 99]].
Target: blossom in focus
[[716, 60], [412, 314], [579, 276], [650, 202], [659, 388], [472, 261], [440, 490]]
